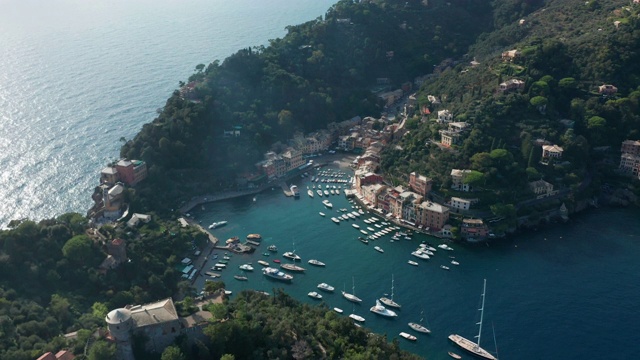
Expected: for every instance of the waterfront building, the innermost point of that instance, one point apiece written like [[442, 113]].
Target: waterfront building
[[630, 164], [347, 142], [420, 183], [131, 172], [370, 193], [365, 177], [458, 179], [113, 201], [292, 159], [432, 215], [474, 229], [631, 147], [109, 176], [158, 323]]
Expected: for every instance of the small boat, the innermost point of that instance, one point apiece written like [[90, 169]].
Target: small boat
[[325, 287], [272, 248], [420, 255], [455, 262], [292, 267], [266, 254], [445, 247], [338, 310], [371, 229], [314, 295], [295, 191], [357, 318], [319, 192], [379, 309], [444, 267], [364, 232], [326, 193], [240, 277], [246, 267], [219, 265], [378, 249], [292, 255], [217, 224], [411, 262], [223, 261], [226, 257], [419, 328], [363, 240], [277, 261], [316, 262], [335, 220], [327, 203], [321, 213], [408, 336], [356, 226], [454, 355], [263, 263]]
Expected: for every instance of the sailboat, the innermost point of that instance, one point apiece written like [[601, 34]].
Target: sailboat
[[352, 297], [390, 302], [418, 326], [469, 345]]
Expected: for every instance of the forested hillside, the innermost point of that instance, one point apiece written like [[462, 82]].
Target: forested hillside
[[566, 49]]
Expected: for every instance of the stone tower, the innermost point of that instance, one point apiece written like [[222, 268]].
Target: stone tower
[[120, 323]]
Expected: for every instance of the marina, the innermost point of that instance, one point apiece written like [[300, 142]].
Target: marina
[[281, 220]]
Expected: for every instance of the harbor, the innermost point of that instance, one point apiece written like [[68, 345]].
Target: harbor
[[543, 269]]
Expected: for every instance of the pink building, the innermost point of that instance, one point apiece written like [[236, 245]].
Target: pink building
[[131, 172]]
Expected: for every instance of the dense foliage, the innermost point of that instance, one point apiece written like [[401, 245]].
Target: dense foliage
[[50, 283]]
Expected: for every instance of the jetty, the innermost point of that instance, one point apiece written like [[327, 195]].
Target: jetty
[[285, 189]]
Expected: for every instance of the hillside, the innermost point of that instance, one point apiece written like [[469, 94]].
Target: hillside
[[565, 51]]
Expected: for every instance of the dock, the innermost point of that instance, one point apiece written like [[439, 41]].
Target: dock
[[254, 243], [285, 189]]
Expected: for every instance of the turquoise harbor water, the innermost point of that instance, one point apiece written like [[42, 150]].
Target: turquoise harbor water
[[76, 76], [567, 292]]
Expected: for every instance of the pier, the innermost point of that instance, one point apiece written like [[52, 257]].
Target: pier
[[285, 189]]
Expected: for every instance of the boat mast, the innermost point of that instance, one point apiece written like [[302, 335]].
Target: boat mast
[[391, 287], [484, 289], [353, 286]]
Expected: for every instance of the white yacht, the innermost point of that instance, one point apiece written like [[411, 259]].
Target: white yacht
[[351, 297], [335, 220], [381, 310], [316, 262], [315, 295], [389, 301], [378, 249], [408, 336], [292, 255], [411, 262], [420, 255], [327, 203], [357, 318], [246, 267], [326, 287], [356, 226]]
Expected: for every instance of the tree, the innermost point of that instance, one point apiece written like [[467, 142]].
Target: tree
[[78, 248], [540, 103], [596, 123], [474, 178], [228, 357], [199, 67], [172, 353], [102, 350]]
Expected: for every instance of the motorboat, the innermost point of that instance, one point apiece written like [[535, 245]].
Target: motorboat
[[408, 336], [240, 277], [335, 220], [364, 232], [378, 249], [325, 287], [455, 262], [292, 255], [295, 191], [326, 193], [310, 193], [357, 318], [314, 295], [356, 226], [319, 192], [364, 241], [321, 213], [411, 262], [420, 255], [277, 261], [218, 224], [316, 262], [454, 355], [371, 229], [338, 310], [445, 247], [444, 267], [277, 274], [327, 203], [263, 263], [220, 265], [272, 248], [379, 309], [292, 267], [246, 267]]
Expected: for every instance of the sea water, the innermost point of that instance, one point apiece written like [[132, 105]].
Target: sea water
[[77, 76], [569, 291]]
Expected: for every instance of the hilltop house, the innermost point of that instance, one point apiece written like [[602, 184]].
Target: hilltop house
[[458, 179], [452, 135], [445, 116], [606, 89], [510, 55], [551, 152], [511, 85], [541, 187], [420, 183]]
